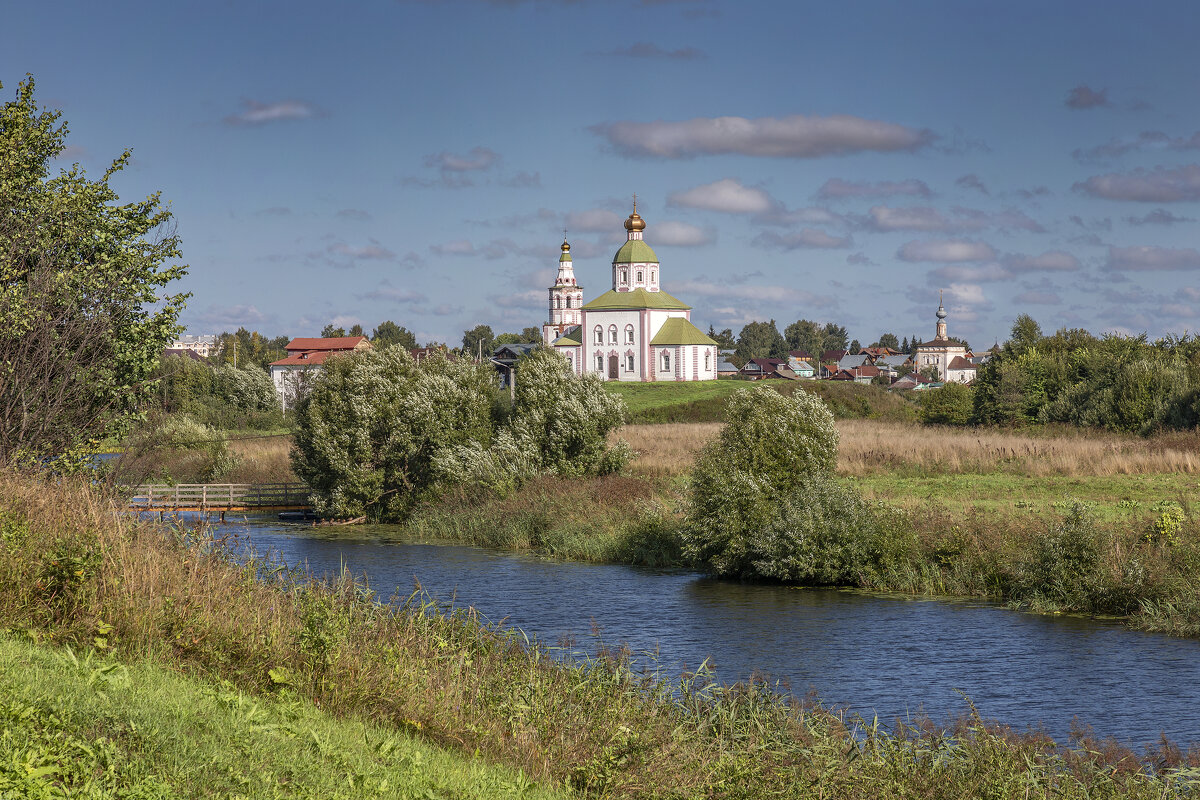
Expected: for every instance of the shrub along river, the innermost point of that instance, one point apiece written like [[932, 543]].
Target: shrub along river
[[875, 655]]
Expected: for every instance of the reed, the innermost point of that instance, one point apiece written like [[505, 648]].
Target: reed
[[73, 572]]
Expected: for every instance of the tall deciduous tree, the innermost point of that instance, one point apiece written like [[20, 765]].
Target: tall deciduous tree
[[806, 335], [389, 333], [478, 341], [84, 312], [761, 340]]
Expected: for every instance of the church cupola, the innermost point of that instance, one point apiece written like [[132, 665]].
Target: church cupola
[[941, 319], [635, 266]]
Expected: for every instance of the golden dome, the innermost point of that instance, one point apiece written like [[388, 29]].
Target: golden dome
[[635, 223], [566, 248]]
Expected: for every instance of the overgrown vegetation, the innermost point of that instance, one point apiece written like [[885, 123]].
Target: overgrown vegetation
[[378, 432], [84, 314], [1119, 383], [222, 397], [85, 723], [73, 573]]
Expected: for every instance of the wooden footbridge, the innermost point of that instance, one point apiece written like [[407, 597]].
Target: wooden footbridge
[[219, 498]]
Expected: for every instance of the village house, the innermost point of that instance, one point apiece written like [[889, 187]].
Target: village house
[[304, 359]]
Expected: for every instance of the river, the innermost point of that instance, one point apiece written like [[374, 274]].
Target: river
[[877, 656]]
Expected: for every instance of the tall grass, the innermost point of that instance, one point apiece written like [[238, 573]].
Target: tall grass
[[874, 447], [72, 571]]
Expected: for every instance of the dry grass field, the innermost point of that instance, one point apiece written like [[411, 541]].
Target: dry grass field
[[262, 460], [871, 447]]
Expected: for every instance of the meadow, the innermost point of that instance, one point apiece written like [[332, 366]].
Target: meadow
[[189, 663]]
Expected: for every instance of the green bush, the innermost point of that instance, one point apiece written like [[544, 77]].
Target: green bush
[[373, 423], [774, 455], [950, 404], [558, 424]]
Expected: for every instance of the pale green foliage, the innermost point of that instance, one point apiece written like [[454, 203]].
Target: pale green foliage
[[247, 389], [373, 422], [762, 490], [83, 314], [559, 424]]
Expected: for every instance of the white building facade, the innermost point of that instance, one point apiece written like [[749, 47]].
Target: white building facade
[[633, 332], [942, 353]]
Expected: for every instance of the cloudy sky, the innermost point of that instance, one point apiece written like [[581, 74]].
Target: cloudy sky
[[418, 160]]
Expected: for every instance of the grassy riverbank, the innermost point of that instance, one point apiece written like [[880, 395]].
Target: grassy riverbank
[[83, 724], [71, 572]]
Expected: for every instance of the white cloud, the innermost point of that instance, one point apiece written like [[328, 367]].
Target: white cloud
[[1146, 259], [966, 294], [727, 195], [256, 113], [922, 218], [972, 181], [787, 294], [1034, 297], [947, 250], [680, 234], [221, 318], [806, 238], [478, 158], [1160, 185], [1050, 261], [1159, 216], [393, 294], [793, 136], [836, 188], [963, 273], [1083, 96], [593, 220], [459, 247], [369, 252]]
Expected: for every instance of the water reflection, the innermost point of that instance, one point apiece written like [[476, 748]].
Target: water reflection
[[878, 656]]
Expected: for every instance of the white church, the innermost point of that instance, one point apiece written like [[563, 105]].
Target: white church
[[635, 331]]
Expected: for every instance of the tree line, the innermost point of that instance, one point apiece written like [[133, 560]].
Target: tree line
[[1114, 382], [763, 340]]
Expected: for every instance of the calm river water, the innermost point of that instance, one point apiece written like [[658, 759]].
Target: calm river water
[[873, 655]]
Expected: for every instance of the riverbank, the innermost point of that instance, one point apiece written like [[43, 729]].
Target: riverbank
[[73, 572], [1048, 521], [85, 723]]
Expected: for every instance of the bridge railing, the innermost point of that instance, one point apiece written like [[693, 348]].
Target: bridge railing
[[220, 495]]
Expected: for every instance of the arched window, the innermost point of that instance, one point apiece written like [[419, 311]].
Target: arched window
[[612, 334], [570, 362], [568, 302], [653, 276], [639, 280], [628, 334], [629, 362], [624, 276], [666, 361], [599, 335], [600, 363], [707, 360], [558, 302]]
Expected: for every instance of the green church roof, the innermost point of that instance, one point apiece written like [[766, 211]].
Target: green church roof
[[564, 257], [571, 338], [635, 251], [638, 298], [678, 330]]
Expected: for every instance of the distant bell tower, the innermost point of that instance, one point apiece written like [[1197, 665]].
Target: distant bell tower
[[566, 298], [941, 320]]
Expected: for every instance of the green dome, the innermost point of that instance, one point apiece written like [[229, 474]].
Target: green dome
[[635, 251]]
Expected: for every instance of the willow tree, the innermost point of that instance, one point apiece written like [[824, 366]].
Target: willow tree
[[84, 316]]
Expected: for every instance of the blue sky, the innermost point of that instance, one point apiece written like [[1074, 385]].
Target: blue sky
[[417, 161]]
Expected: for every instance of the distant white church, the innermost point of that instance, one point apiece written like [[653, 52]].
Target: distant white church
[[633, 332]]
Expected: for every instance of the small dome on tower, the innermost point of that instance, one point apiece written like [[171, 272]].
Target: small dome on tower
[[566, 247], [941, 312], [635, 223]]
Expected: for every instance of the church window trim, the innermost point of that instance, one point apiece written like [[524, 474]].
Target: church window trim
[[629, 361], [665, 358], [600, 363], [628, 334], [707, 360], [599, 334], [612, 334], [639, 276]]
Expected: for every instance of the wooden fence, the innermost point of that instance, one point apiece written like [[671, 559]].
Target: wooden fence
[[221, 497]]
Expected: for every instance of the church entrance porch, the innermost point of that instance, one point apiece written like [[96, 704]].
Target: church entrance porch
[[613, 374]]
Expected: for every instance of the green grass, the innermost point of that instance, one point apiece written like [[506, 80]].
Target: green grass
[[704, 401], [91, 726], [1111, 498]]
